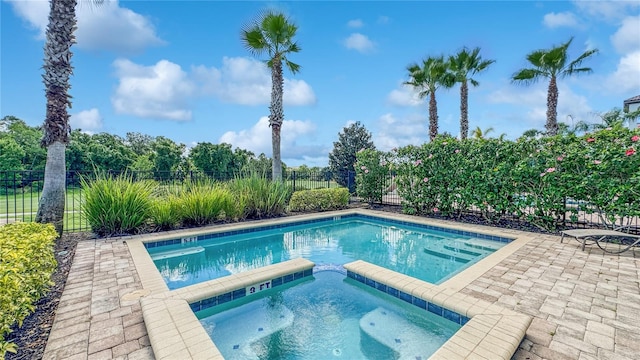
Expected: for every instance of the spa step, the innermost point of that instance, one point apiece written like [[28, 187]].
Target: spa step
[[481, 244], [395, 332], [248, 327], [179, 252], [448, 254]]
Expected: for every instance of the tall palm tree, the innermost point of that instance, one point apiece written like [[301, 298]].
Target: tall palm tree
[[464, 65], [273, 33], [427, 79], [57, 70], [552, 64]]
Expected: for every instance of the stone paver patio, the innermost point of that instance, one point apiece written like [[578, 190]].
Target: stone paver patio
[[586, 305]]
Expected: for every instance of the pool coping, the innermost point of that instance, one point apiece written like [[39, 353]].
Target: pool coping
[[175, 332]]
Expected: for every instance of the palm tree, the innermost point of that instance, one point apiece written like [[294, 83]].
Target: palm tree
[[427, 79], [464, 65], [478, 133], [57, 70], [273, 33], [551, 64]]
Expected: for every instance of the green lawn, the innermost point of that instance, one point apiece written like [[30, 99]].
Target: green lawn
[[27, 202]]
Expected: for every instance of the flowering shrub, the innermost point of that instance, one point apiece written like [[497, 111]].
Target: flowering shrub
[[372, 170], [528, 178]]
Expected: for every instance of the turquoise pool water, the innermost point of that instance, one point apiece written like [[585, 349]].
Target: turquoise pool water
[[427, 254], [325, 316]]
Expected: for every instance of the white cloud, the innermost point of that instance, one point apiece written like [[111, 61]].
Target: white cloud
[[626, 78], [87, 120], [404, 96], [606, 10], [295, 136], [355, 23], [359, 42], [247, 81], [100, 27], [563, 19], [627, 38], [157, 91], [391, 132], [532, 102]]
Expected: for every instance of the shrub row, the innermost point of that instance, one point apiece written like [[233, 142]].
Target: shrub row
[[319, 200], [121, 205], [528, 178], [26, 264]]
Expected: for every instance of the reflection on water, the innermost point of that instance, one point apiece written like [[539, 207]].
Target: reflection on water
[[428, 255]]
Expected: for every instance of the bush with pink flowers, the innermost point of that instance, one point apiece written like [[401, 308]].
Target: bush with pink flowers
[[533, 179]]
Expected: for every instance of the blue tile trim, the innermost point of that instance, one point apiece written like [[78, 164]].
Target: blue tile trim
[[242, 292], [416, 301], [330, 219]]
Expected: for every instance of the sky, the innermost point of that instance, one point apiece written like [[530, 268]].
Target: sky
[[178, 69]]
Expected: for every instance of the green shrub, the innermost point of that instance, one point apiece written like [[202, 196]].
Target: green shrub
[[204, 202], [165, 213], [319, 199], [117, 205], [530, 179], [261, 197], [26, 264]]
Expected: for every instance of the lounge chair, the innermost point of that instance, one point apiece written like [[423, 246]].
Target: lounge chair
[[611, 241]]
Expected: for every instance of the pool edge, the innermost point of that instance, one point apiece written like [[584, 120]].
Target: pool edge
[[497, 323]]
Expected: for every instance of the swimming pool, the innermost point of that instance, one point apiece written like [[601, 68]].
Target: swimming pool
[[325, 316], [425, 252]]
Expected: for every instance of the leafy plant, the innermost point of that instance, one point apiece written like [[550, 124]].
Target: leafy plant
[[117, 205], [371, 171], [26, 264], [342, 158], [319, 199], [260, 196], [204, 202]]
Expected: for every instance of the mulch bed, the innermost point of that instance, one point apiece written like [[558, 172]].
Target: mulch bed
[[32, 337]]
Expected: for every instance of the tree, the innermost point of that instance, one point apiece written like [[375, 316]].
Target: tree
[[464, 65], [427, 79], [552, 64], [478, 133], [57, 70], [213, 158], [342, 158], [28, 138], [273, 34], [166, 156]]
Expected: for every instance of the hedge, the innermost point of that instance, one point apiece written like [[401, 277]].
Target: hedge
[[26, 264], [532, 179], [319, 199]]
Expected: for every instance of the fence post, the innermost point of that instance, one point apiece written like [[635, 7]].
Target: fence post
[[293, 177]]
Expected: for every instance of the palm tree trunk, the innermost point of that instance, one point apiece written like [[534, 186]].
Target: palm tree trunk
[[276, 117], [433, 116], [57, 70], [464, 110], [552, 107], [52, 201]]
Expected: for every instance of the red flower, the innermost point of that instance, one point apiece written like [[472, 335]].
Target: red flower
[[591, 140], [630, 151], [635, 138]]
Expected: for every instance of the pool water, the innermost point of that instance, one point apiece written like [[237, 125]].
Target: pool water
[[429, 255], [325, 316]]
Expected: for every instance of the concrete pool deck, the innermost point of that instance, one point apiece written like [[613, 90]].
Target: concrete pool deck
[[584, 305]]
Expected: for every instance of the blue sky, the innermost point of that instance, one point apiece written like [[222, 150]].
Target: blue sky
[[178, 68]]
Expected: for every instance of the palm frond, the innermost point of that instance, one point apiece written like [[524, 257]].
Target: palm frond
[[527, 76], [293, 67]]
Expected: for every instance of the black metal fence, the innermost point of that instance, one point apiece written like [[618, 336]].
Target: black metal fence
[[20, 190]]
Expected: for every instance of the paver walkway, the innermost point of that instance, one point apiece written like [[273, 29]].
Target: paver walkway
[[586, 305]]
